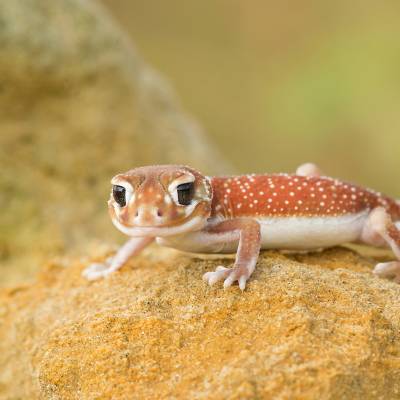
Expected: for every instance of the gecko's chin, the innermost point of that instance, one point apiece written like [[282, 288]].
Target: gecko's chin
[[189, 224]]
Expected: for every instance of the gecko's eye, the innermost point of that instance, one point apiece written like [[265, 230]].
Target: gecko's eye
[[185, 193], [119, 194]]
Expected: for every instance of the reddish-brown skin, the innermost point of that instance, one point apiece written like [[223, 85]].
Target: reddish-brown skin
[[284, 195], [394, 233]]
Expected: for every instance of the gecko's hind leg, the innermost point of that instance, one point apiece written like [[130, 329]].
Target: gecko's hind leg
[[380, 230], [308, 169]]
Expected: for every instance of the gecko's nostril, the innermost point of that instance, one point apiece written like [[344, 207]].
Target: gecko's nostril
[[145, 214]]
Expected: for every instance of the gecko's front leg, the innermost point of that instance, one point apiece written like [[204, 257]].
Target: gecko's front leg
[[131, 248], [247, 232]]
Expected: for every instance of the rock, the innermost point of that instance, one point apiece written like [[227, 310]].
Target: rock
[[307, 326], [77, 105]]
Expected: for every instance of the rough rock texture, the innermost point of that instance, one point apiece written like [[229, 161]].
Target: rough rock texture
[[308, 326], [77, 105]]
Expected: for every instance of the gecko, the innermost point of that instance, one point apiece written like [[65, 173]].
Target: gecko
[[179, 207]]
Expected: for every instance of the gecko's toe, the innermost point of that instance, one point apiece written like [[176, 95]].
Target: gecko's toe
[[238, 274], [229, 280], [230, 275], [388, 270], [95, 271], [242, 283], [213, 277]]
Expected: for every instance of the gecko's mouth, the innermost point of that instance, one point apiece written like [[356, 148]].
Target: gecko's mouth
[[196, 220], [193, 223]]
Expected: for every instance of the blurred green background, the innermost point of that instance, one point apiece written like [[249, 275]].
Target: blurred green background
[[276, 84]]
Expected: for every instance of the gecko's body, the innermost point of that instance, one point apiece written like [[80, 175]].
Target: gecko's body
[[183, 209]]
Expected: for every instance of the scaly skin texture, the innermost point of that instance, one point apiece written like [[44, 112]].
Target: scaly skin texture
[[292, 195], [179, 207]]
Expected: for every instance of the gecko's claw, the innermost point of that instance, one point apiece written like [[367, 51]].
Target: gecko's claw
[[229, 274]]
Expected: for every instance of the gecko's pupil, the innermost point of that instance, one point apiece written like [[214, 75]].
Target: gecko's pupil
[[185, 193], [119, 195]]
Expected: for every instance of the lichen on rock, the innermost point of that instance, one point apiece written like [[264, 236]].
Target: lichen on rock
[[307, 326]]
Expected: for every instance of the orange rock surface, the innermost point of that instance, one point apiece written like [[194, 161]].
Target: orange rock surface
[[307, 326]]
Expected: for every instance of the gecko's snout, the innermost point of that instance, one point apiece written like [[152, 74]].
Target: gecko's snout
[[148, 215]]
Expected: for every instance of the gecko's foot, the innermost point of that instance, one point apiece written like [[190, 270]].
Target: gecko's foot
[[308, 169], [388, 270], [230, 275], [97, 270]]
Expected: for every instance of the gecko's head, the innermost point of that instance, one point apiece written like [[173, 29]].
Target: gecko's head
[[160, 200]]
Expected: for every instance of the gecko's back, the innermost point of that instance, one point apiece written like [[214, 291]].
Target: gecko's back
[[283, 195]]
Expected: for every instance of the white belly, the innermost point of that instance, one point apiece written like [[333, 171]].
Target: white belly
[[288, 233], [306, 233]]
